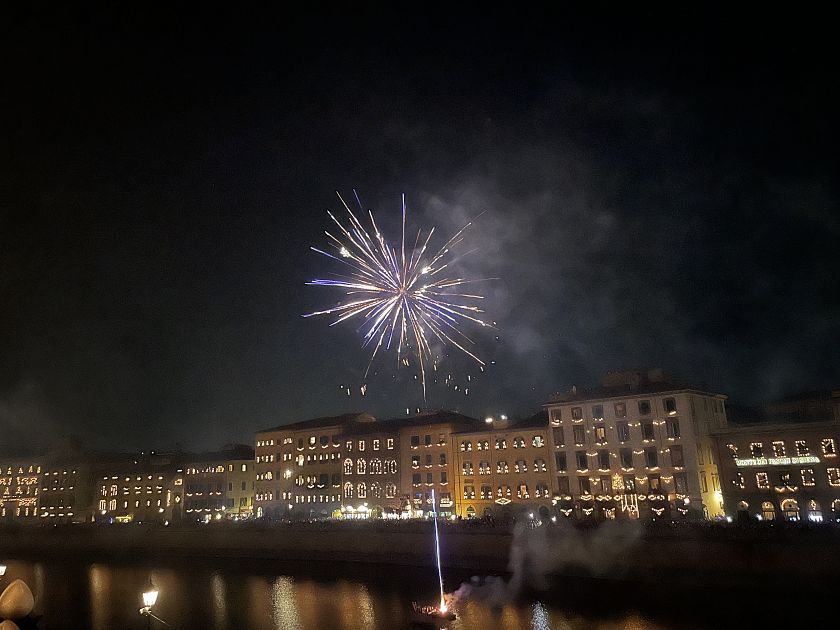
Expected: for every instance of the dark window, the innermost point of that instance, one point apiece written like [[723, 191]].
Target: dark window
[[623, 431], [560, 461], [654, 483], [443, 477], [428, 440], [647, 430], [681, 483], [626, 458], [673, 427], [428, 459], [415, 440], [577, 413], [620, 410], [558, 436], [677, 456], [429, 478], [243, 485], [580, 460], [442, 459], [603, 460], [580, 435], [563, 485], [644, 407], [325, 440], [651, 458], [583, 484], [598, 412], [415, 478], [670, 406]]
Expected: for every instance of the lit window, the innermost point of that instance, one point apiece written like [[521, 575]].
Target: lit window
[[466, 446], [390, 443], [757, 449], [518, 442], [361, 465], [807, 476], [670, 406], [802, 448], [733, 450], [600, 434], [829, 448], [348, 466], [467, 468], [778, 449], [762, 480], [501, 444], [738, 482], [376, 445], [833, 476]]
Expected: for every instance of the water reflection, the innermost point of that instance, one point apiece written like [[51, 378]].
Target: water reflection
[[102, 596]]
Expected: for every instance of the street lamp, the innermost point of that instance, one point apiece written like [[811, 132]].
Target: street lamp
[[150, 596]]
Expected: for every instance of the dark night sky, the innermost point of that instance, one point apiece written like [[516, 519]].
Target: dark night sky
[[658, 190]]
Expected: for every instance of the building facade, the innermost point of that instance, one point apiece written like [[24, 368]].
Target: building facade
[[638, 446], [781, 471], [370, 471], [146, 489], [20, 484], [504, 470], [219, 485], [299, 467]]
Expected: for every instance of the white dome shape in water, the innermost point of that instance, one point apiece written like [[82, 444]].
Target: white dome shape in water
[[16, 601]]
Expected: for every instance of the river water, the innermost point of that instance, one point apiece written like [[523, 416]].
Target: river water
[[103, 596]]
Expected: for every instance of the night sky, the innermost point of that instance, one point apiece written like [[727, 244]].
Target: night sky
[[656, 190]]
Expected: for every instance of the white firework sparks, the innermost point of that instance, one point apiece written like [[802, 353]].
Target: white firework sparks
[[403, 297]]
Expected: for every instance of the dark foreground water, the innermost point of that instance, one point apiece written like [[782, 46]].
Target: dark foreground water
[[348, 597]]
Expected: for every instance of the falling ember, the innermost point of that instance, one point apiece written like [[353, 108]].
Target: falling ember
[[402, 295]]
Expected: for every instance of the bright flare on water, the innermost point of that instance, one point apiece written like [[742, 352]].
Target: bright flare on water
[[402, 296]]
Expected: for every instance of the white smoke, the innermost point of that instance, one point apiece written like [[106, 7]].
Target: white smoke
[[538, 552]]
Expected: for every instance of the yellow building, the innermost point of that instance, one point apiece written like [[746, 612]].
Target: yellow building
[[219, 485], [428, 454], [639, 445], [504, 470]]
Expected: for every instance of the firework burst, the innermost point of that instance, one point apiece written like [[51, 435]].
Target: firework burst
[[403, 296]]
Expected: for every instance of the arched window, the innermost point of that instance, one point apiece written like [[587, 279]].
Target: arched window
[[390, 490], [361, 465], [503, 490], [790, 509], [362, 491], [376, 466], [483, 467], [542, 490], [467, 468], [538, 441], [392, 466], [520, 466], [348, 490], [466, 446], [501, 444], [814, 512], [348, 466], [539, 465], [502, 467], [522, 491], [486, 492], [470, 511], [768, 511], [376, 490], [518, 442]]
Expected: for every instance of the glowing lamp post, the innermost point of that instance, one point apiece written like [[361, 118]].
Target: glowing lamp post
[[150, 596]]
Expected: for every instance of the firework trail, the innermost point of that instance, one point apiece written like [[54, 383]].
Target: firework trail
[[402, 295]]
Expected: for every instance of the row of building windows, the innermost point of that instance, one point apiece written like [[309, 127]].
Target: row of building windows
[[520, 466], [784, 478], [599, 432], [504, 491], [623, 483], [645, 408], [376, 467], [518, 442], [376, 490], [625, 456], [828, 447], [416, 478]]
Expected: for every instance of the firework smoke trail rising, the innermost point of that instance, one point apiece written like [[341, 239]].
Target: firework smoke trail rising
[[402, 299], [437, 554]]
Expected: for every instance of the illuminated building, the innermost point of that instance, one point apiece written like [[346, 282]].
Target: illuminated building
[[299, 466], [504, 469], [356, 466], [428, 454], [782, 470], [148, 488], [219, 485], [20, 483], [637, 446]]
